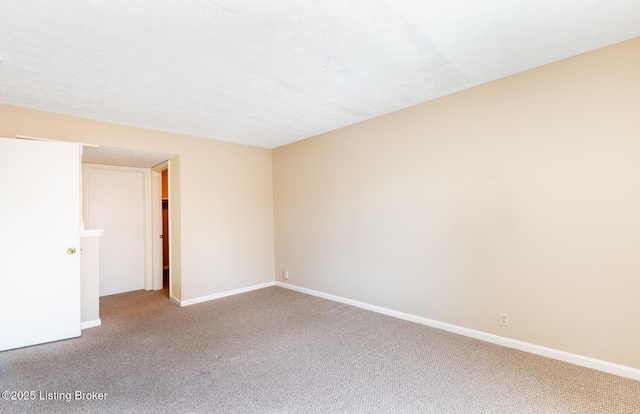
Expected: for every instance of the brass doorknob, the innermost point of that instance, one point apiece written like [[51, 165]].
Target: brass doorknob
[[71, 250]]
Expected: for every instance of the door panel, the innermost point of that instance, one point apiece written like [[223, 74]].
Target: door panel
[[39, 222], [114, 200]]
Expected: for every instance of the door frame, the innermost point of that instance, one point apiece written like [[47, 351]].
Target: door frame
[[155, 282]]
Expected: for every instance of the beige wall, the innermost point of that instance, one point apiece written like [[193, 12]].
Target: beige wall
[[519, 196], [222, 206]]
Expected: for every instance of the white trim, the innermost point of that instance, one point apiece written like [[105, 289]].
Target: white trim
[[222, 294], [54, 140], [91, 233], [174, 300], [91, 324], [157, 221], [588, 362], [148, 230], [156, 228]]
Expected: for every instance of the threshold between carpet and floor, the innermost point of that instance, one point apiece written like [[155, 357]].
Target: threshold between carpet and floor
[[275, 350]]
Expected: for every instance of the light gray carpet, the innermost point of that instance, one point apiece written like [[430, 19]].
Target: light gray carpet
[[279, 351]]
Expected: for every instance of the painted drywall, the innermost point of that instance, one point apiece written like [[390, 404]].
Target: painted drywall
[[519, 196], [221, 194], [175, 233], [90, 278]]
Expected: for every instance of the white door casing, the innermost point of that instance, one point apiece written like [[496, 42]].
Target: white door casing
[[156, 234], [39, 231], [116, 200], [156, 223]]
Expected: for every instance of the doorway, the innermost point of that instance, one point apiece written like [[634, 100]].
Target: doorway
[[154, 163], [165, 230], [161, 220]]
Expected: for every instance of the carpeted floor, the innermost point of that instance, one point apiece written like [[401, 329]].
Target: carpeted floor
[[278, 351]]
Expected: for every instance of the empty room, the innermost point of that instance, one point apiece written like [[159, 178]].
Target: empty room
[[320, 206]]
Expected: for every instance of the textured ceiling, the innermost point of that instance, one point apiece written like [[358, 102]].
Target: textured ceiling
[[267, 73]]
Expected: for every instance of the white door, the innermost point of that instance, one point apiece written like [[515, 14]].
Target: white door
[[115, 201], [39, 225]]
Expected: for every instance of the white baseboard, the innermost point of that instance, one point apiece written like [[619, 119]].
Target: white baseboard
[[221, 294], [91, 324], [174, 300], [588, 362]]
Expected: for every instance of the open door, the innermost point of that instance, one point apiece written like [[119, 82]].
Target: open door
[[39, 242]]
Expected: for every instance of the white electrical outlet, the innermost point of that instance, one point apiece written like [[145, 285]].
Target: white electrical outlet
[[285, 275], [504, 319]]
